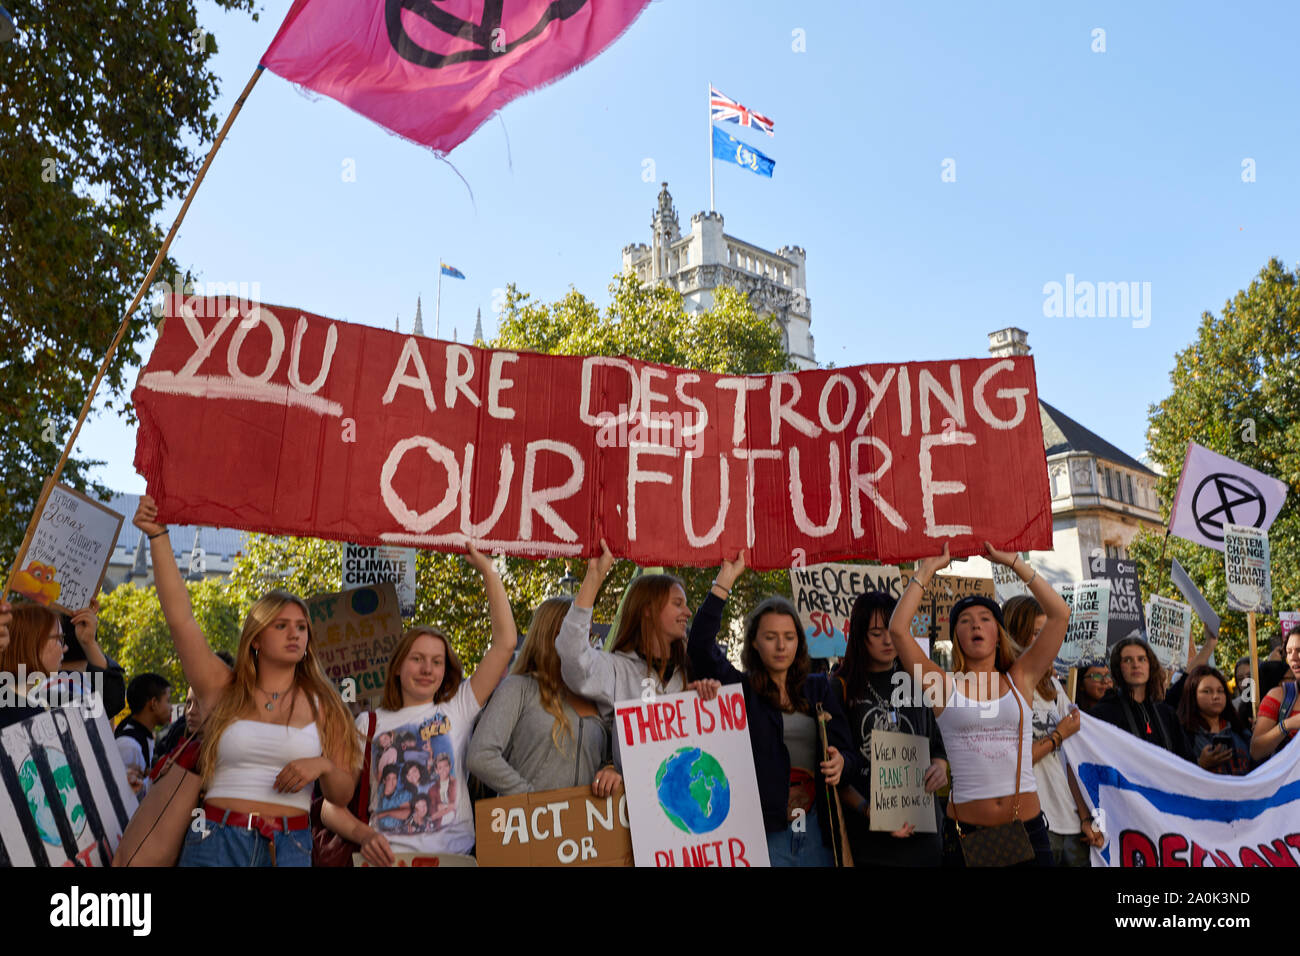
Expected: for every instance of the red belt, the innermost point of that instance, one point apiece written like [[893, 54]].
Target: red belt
[[267, 826]]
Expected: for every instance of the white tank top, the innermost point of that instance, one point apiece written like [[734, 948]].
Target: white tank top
[[251, 755], [980, 739]]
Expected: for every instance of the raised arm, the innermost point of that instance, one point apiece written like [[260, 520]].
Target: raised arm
[[1039, 656], [496, 661], [587, 672], [1196, 658], [910, 655], [707, 660], [205, 671]]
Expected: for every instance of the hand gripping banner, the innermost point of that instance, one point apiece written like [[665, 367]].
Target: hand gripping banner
[[268, 418]]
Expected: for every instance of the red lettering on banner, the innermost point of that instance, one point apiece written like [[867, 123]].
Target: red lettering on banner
[[1199, 853], [1136, 849], [510, 450], [663, 859], [1250, 858], [737, 849], [1171, 844], [1277, 854]]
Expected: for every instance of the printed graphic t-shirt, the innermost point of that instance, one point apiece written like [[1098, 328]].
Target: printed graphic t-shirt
[[418, 792]]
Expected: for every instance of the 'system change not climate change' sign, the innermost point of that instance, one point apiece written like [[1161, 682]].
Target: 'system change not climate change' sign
[[689, 773]]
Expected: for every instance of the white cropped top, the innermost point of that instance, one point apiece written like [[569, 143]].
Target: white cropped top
[[980, 739], [251, 755]]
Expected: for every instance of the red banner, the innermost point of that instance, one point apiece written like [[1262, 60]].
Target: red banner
[[271, 419]]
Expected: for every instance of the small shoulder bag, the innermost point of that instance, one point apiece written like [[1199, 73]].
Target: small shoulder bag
[[1008, 843]]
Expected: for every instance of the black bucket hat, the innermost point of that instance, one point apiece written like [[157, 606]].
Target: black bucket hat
[[970, 601]]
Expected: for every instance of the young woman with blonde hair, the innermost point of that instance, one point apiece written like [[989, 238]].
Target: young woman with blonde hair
[[984, 718], [429, 703], [274, 725], [649, 648], [535, 733]]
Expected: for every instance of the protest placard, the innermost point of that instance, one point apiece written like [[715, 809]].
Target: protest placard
[[898, 765], [65, 563], [1007, 583], [1288, 621], [824, 596], [64, 799], [1085, 637], [436, 444], [569, 827], [356, 633], [1246, 564], [1169, 631], [689, 774], [374, 564], [1126, 618], [943, 591]]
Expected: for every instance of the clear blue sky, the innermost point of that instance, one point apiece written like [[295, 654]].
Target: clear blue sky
[[1117, 166]]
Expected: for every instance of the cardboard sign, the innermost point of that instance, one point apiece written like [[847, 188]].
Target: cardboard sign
[[943, 591], [373, 564], [898, 765], [1245, 559], [1085, 637], [64, 799], [689, 774], [421, 859], [824, 596], [356, 633], [1288, 621], [66, 561], [569, 827], [1169, 631], [1126, 618], [427, 443]]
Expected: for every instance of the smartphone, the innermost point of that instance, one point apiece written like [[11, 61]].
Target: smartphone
[[1222, 739]]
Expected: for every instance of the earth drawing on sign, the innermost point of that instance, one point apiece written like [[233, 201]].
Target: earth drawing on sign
[[693, 791]]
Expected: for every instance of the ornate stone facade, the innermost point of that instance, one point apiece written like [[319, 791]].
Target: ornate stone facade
[[705, 258]]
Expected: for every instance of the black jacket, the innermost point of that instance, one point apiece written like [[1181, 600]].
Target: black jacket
[[1120, 710], [766, 728]]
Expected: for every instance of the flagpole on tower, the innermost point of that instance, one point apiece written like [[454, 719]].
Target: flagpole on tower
[[710, 102]]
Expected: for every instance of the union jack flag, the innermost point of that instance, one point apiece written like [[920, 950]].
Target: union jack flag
[[726, 110]]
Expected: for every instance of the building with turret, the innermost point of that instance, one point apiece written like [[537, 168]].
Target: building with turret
[[706, 257]]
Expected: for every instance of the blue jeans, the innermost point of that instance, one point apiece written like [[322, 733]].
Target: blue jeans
[[802, 847], [222, 845]]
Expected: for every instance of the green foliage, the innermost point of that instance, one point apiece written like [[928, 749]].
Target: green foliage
[[102, 102], [301, 566], [133, 632], [1240, 380]]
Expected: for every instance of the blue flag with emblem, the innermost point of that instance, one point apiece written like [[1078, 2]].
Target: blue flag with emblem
[[731, 150]]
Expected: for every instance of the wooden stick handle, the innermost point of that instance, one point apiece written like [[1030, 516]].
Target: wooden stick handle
[[121, 330]]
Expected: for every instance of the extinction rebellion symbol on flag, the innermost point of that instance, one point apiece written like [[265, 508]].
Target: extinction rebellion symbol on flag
[[490, 38], [1217, 500]]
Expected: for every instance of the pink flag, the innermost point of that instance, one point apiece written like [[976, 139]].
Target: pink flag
[[434, 72]]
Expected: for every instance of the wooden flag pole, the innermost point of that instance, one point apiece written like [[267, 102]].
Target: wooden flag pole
[[121, 330], [1254, 663], [1072, 684]]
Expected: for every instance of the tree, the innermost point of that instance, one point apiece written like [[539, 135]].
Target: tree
[[133, 632], [105, 105], [1236, 390]]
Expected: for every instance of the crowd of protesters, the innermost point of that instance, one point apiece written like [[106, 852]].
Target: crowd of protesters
[[263, 730]]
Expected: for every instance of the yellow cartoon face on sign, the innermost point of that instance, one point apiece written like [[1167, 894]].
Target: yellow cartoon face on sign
[[36, 581]]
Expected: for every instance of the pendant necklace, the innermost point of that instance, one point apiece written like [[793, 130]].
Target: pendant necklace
[[270, 704]]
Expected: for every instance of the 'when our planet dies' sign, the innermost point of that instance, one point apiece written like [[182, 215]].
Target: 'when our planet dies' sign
[[898, 765], [1245, 557], [65, 563], [568, 827], [689, 774]]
